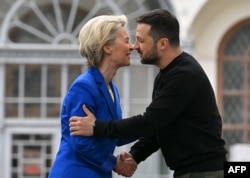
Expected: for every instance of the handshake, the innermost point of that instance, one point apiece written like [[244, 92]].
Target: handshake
[[125, 165]]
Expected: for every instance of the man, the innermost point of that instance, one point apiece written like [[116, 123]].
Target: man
[[182, 120]]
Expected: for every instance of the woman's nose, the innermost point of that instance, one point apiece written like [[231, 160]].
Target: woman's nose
[[131, 47]]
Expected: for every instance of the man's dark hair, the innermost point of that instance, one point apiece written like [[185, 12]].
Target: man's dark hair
[[163, 25]]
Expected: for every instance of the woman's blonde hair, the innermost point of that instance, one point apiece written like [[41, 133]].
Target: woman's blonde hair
[[96, 33]]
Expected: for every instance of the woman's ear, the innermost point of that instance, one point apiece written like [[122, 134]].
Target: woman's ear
[[107, 49]]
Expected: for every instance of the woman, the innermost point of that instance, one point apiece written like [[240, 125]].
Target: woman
[[105, 43]]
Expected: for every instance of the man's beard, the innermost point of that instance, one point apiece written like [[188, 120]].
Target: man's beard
[[151, 58]]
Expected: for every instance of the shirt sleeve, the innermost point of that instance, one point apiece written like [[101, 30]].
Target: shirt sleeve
[[143, 148]]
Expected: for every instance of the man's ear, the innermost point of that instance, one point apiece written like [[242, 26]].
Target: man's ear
[[107, 49], [163, 43]]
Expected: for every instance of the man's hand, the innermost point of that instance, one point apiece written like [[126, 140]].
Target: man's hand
[[82, 125], [125, 165]]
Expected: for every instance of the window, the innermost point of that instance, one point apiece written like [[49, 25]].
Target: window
[[34, 90], [234, 84], [31, 155]]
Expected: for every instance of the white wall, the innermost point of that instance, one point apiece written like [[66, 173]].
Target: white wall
[[209, 26]]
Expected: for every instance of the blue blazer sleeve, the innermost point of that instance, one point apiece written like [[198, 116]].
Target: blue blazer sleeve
[[97, 152]]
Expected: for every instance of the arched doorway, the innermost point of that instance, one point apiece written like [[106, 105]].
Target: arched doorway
[[234, 83], [220, 32]]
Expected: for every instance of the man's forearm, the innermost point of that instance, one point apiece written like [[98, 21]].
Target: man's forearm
[[125, 128]]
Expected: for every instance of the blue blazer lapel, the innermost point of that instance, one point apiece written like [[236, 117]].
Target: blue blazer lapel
[[104, 90]]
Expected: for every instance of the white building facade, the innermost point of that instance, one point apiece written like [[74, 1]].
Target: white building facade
[[39, 59]]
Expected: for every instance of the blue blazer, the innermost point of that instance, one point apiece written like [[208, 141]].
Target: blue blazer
[[87, 157]]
